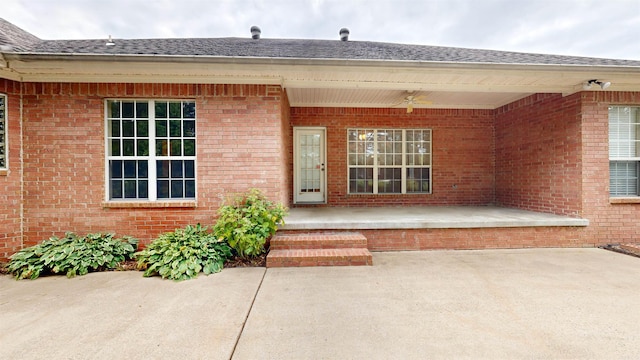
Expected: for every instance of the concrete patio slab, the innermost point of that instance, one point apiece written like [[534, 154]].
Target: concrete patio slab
[[502, 304], [418, 217], [497, 304], [121, 315]]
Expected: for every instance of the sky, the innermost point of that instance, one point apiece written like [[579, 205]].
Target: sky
[[593, 28]]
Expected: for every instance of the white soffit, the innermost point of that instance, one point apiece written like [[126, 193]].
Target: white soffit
[[326, 97]]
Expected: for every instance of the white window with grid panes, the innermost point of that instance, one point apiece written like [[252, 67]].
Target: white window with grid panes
[[624, 150], [389, 161], [3, 132], [151, 150]]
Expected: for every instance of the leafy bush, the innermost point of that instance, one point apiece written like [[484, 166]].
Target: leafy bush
[[182, 254], [248, 221], [72, 255]]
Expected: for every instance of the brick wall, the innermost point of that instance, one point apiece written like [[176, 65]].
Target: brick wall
[[564, 167], [10, 179], [239, 146], [476, 238], [472, 238], [610, 222], [462, 146], [287, 154], [538, 154]]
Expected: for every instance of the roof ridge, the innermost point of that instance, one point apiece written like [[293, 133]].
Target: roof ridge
[[440, 48], [13, 39]]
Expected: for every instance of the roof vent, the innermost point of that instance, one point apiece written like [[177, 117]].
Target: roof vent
[[255, 32], [110, 42], [344, 34]]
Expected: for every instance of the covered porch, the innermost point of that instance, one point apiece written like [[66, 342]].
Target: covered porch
[[422, 217]]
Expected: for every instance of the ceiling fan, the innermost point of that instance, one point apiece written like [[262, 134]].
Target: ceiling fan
[[412, 98]]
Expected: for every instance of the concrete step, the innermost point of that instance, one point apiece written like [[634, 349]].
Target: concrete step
[[294, 249], [319, 257], [318, 240]]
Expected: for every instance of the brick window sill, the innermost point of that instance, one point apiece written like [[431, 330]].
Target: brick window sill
[[148, 204], [4, 172], [625, 200]]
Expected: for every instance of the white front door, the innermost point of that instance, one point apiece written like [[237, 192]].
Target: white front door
[[309, 164]]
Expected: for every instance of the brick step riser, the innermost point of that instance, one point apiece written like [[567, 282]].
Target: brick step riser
[[303, 263], [316, 245], [318, 249], [315, 257], [318, 241]]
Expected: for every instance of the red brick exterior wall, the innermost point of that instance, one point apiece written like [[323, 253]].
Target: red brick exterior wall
[[239, 145], [473, 238], [10, 179], [610, 222], [538, 154], [285, 165], [552, 155], [477, 238], [462, 147], [544, 153]]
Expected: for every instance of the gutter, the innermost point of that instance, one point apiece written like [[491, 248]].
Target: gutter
[[286, 61]]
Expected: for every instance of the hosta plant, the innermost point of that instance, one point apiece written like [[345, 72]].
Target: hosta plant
[[72, 255], [247, 221], [183, 254]]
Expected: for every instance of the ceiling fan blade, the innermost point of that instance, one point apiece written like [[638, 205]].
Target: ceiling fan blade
[[410, 100]]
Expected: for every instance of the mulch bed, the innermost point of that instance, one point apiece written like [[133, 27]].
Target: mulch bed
[[261, 261], [620, 250], [258, 261], [236, 262]]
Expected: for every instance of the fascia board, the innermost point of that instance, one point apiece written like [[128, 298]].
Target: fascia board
[[316, 62]]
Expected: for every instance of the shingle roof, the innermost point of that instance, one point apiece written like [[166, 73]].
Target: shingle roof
[[295, 49], [15, 39]]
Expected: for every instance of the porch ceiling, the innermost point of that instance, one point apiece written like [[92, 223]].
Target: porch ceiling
[[382, 98], [453, 86]]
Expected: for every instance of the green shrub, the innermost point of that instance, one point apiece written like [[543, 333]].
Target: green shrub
[[72, 255], [182, 254], [248, 221]]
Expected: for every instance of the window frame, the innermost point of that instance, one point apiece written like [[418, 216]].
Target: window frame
[[616, 146], [152, 158], [403, 166], [4, 134]]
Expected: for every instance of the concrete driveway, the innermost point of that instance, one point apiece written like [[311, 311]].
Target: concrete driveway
[[526, 304]]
